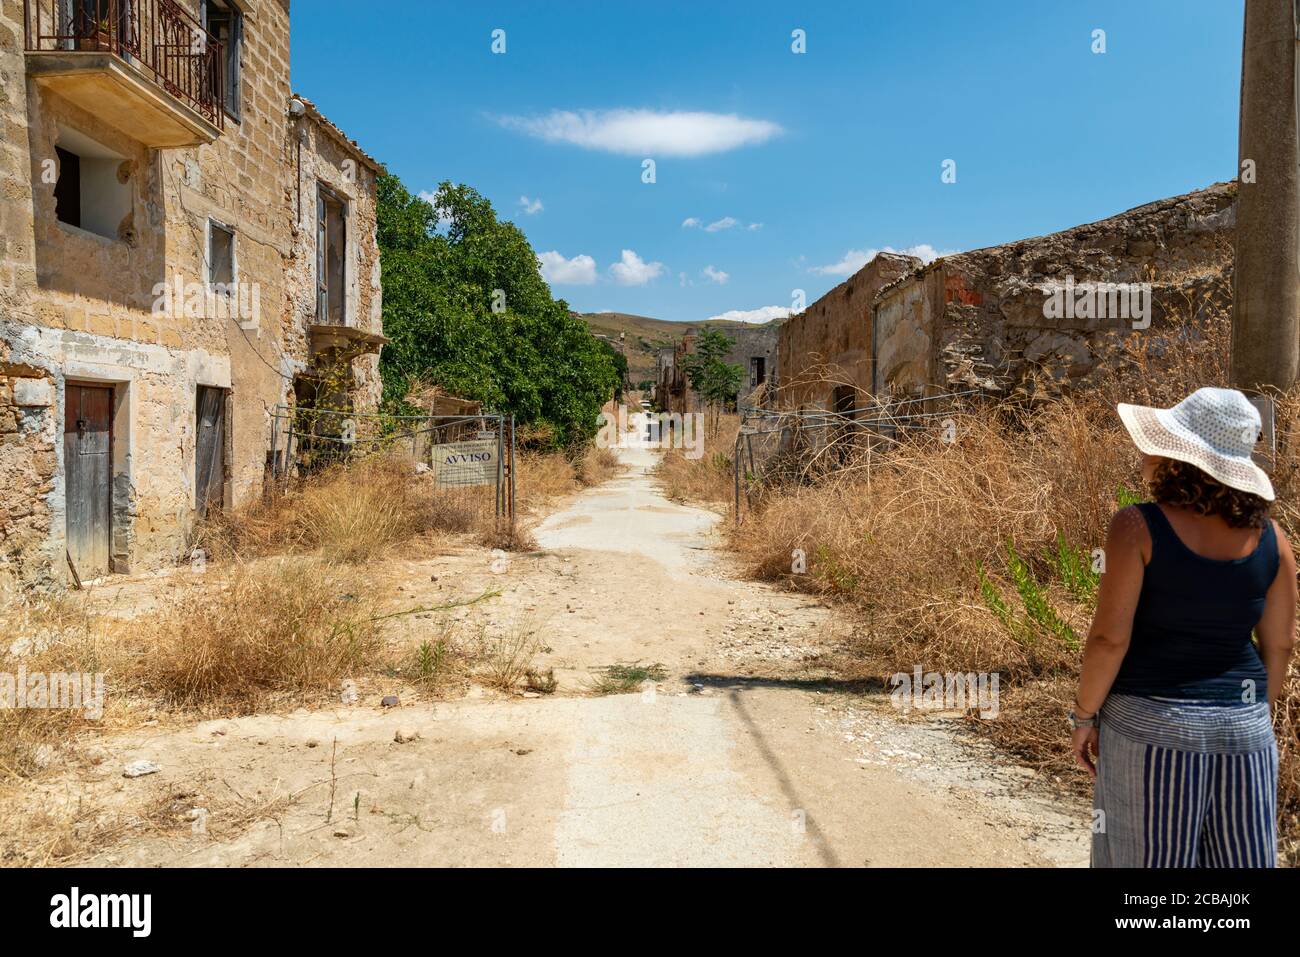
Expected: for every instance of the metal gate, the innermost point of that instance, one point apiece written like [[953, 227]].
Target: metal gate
[[467, 457], [783, 447]]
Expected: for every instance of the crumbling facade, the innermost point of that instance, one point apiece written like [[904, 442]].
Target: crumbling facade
[[987, 319], [184, 244], [754, 349]]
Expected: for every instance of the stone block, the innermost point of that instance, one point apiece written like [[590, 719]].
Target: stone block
[[33, 393]]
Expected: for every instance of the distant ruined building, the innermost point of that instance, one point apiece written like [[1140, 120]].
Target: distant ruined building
[[754, 350]]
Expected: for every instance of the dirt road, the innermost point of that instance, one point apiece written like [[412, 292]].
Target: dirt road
[[746, 753]]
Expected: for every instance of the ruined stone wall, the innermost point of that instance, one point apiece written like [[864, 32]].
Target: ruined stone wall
[[753, 342], [977, 319], [77, 306], [830, 342]]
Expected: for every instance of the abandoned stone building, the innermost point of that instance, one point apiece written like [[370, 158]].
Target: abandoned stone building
[[754, 350], [184, 247], [982, 320]]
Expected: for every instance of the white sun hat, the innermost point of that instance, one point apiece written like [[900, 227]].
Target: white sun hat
[[1213, 429]]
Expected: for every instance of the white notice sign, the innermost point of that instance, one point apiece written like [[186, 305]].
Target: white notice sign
[[466, 463]]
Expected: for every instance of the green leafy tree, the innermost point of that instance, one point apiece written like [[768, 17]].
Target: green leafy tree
[[714, 380], [466, 307], [620, 366]]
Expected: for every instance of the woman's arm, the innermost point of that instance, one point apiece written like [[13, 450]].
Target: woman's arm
[[1276, 628], [1117, 599], [1112, 624]]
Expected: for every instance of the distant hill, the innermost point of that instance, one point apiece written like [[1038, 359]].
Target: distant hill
[[646, 336]]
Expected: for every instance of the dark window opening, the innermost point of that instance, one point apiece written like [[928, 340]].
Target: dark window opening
[[225, 22], [757, 371], [67, 190], [94, 187]]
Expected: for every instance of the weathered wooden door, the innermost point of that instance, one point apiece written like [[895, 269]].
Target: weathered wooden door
[[88, 471], [210, 451]]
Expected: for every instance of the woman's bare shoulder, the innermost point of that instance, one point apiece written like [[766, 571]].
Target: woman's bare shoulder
[[1128, 529]]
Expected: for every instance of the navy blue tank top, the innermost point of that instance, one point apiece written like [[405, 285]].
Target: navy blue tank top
[[1192, 629]]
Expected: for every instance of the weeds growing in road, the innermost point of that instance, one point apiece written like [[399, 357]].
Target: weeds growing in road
[[508, 655], [625, 678]]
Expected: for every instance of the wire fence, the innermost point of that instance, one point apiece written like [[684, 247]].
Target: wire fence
[[781, 447], [466, 457]]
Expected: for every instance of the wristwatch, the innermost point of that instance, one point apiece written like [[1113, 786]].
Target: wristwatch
[[1076, 722]]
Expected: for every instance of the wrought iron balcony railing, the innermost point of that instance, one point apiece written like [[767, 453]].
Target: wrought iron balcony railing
[[157, 37]]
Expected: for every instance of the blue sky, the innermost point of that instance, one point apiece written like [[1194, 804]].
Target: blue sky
[[801, 163]]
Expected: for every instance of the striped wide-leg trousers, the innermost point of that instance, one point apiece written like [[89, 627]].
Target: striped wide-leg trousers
[[1182, 784]]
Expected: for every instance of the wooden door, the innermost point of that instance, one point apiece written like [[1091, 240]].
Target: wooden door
[[88, 471], [210, 451]]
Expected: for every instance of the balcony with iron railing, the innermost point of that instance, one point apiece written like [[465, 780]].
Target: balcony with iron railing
[[146, 67]]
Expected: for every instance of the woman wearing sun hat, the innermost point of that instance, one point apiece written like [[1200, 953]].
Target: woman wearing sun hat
[[1172, 714]]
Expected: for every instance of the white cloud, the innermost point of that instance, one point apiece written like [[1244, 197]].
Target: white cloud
[[716, 275], [760, 315], [578, 271], [855, 259], [530, 206], [718, 225], [632, 270], [646, 132]]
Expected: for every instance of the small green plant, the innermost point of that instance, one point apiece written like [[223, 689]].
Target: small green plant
[[430, 660], [1039, 615], [993, 599], [1124, 497], [1075, 569], [626, 678], [1033, 596]]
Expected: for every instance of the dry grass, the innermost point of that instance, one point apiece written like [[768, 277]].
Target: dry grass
[[359, 511], [281, 628], [596, 466], [708, 478], [901, 542], [351, 512], [507, 658], [46, 635]]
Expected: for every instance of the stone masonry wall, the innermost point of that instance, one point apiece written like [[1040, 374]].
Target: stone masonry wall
[[830, 342], [78, 306], [976, 320]]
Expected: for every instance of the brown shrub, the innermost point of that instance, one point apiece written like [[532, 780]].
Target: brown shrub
[[596, 466], [709, 478], [47, 635], [277, 628]]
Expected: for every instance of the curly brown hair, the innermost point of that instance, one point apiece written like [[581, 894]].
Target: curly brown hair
[[1185, 486]]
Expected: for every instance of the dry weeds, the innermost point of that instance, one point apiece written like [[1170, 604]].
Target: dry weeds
[[900, 538]]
